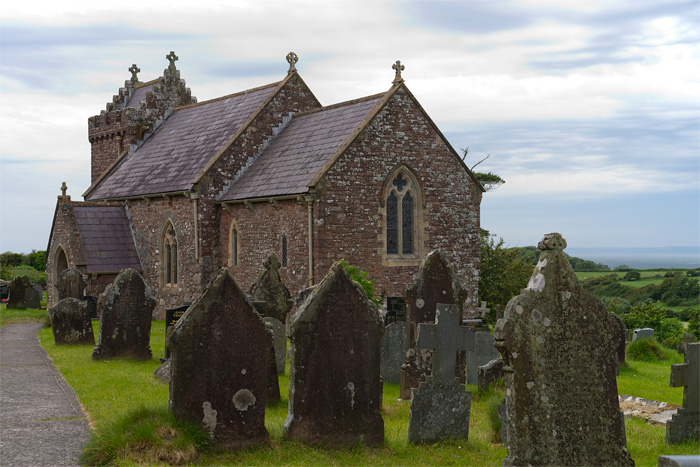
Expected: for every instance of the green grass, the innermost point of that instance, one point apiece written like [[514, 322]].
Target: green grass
[[649, 276], [112, 391], [19, 315]]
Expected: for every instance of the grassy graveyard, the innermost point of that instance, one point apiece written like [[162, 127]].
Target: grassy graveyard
[[127, 407]]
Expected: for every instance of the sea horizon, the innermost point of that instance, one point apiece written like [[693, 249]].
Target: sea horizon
[[683, 257]]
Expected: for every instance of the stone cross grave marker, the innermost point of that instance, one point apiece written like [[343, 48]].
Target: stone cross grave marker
[[440, 406], [685, 424], [483, 352], [220, 360], [270, 289], [559, 346], [482, 310], [334, 385]]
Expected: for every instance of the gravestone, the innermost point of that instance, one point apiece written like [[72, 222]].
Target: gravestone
[[70, 284], [172, 315], [273, 383], [484, 351], [685, 424], [559, 344], [4, 291], [440, 405], [489, 373], [270, 289], [334, 384], [643, 333], [302, 295], [688, 338], [622, 344], [39, 292], [70, 322], [679, 461], [220, 359], [125, 309], [22, 294], [279, 342], [162, 373], [393, 350], [435, 282]]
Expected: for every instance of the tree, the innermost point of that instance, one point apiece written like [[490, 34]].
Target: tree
[[489, 180], [633, 276]]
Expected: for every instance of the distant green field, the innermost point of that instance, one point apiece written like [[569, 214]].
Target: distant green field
[[649, 276]]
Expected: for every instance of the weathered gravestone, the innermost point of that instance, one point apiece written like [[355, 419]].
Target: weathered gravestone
[[70, 284], [22, 294], [643, 333], [125, 309], [273, 383], [71, 323], [559, 347], [279, 342], [162, 373], [490, 373], [269, 288], [679, 461], [220, 359], [484, 351], [440, 405], [334, 386], [393, 351], [688, 338], [622, 344], [435, 282], [39, 292], [685, 424]]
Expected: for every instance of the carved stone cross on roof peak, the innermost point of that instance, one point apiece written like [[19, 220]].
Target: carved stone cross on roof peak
[[446, 337], [172, 57], [134, 69], [398, 67], [64, 188], [292, 59]]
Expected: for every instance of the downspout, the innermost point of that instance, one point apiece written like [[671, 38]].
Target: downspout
[[309, 207], [195, 199]]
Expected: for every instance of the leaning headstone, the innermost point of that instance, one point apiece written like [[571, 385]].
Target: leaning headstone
[[70, 322], [220, 356], [162, 373], [559, 347], [490, 373], [70, 284], [643, 333], [439, 405], [270, 289], [435, 282], [334, 383], [685, 424], [484, 351], [125, 309], [393, 350], [22, 294], [279, 342]]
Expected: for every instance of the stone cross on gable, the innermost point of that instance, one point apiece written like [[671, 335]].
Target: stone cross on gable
[[134, 69], [687, 375], [398, 67], [172, 57], [292, 59], [446, 337], [400, 182], [482, 310], [64, 188]]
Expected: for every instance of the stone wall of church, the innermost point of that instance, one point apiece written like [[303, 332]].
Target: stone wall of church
[[149, 218], [294, 96], [349, 218], [66, 236], [260, 232]]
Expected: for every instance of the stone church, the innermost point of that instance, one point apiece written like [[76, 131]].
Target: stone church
[[181, 188]]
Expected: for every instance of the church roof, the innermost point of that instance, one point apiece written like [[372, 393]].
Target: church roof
[[300, 150], [139, 93], [107, 238], [181, 147]]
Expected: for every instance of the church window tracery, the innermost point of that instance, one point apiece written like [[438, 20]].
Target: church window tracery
[[402, 215], [170, 256]]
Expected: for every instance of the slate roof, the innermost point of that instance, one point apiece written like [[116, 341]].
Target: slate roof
[[299, 151], [138, 95], [107, 239], [175, 153]]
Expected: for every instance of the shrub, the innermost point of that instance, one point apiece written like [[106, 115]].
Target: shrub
[[648, 350], [362, 278], [667, 330], [633, 276], [693, 272], [9, 273]]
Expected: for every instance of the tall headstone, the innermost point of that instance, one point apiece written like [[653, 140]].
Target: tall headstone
[[434, 283], [22, 294], [279, 342], [559, 346], [71, 323], [220, 359], [484, 351], [685, 424], [270, 289], [440, 406], [393, 350], [125, 309], [70, 284], [334, 385]]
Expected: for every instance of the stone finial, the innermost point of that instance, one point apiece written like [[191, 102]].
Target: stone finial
[[64, 188], [292, 59], [552, 241], [134, 79], [172, 58], [398, 67]]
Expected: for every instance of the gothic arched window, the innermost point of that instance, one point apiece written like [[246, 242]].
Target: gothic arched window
[[402, 214], [234, 245], [284, 250], [169, 255]]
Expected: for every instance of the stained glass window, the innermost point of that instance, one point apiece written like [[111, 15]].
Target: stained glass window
[[284, 251], [392, 224], [407, 224]]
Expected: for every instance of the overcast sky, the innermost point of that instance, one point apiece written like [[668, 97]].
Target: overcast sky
[[589, 109]]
